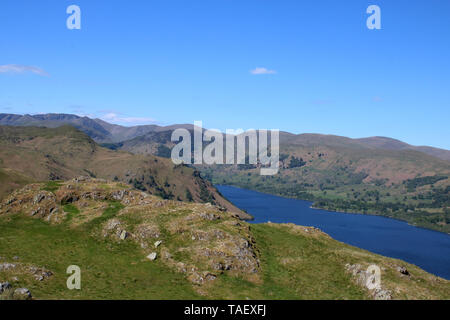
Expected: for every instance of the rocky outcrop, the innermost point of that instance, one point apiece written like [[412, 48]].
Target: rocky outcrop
[[371, 281], [201, 240], [7, 266]]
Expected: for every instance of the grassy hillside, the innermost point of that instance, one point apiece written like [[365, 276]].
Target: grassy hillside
[[108, 229], [40, 154], [11, 180]]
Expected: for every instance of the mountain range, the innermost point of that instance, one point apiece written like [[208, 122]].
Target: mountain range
[[375, 175], [104, 132]]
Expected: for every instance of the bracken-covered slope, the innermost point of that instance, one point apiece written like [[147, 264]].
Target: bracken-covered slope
[[40, 154], [132, 245]]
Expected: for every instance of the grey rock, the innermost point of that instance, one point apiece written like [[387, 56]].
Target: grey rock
[[22, 294], [152, 256], [123, 235], [7, 266], [119, 195], [38, 198], [403, 271], [4, 286], [157, 243], [209, 216], [210, 276], [381, 294]]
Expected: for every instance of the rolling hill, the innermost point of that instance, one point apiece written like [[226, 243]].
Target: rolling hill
[[29, 154]]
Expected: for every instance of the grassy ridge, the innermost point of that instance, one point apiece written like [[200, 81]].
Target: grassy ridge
[[294, 262], [109, 270]]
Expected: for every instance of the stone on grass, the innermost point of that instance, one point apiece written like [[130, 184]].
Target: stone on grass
[[157, 243], [152, 256], [4, 286], [123, 235], [22, 294]]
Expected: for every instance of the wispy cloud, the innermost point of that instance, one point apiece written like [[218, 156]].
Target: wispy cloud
[[18, 68], [258, 71], [120, 118]]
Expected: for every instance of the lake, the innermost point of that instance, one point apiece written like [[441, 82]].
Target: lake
[[427, 249]]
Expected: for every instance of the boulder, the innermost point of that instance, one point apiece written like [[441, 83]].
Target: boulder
[[22, 294], [403, 271], [157, 243], [4, 286], [152, 256], [123, 235]]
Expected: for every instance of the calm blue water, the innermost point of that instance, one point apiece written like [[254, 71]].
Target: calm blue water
[[427, 249]]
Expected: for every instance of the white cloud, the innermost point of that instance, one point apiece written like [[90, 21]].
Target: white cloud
[[119, 118], [262, 71], [18, 68]]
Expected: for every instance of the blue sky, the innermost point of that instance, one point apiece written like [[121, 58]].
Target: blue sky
[[168, 62]]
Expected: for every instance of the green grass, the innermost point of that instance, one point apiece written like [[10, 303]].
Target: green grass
[[119, 270], [109, 270], [52, 186], [71, 211], [316, 273]]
